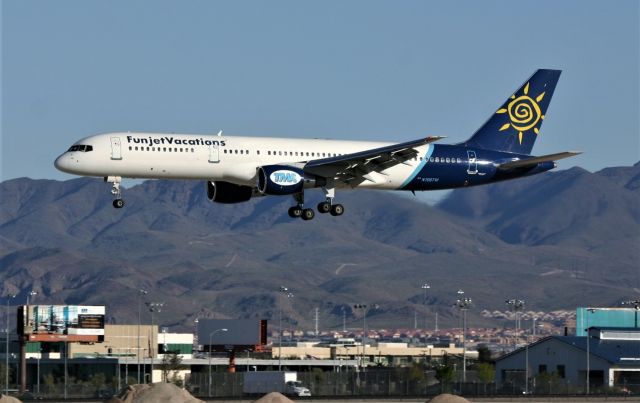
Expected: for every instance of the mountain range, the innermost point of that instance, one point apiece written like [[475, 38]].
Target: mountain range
[[557, 240]]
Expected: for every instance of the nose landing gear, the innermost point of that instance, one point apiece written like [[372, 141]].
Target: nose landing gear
[[115, 190]]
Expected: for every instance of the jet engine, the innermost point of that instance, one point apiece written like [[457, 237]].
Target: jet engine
[[285, 180], [228, 193]]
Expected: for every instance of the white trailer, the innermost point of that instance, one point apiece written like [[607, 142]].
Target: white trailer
[[262, 382]]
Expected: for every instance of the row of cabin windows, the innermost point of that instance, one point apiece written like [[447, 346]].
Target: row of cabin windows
[[162, 149], [246, 152], [446, 160]]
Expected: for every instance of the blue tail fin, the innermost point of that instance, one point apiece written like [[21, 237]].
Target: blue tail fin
[[516, 124]]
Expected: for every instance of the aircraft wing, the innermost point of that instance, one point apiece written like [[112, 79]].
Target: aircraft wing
[[362, 165], [529, 162]]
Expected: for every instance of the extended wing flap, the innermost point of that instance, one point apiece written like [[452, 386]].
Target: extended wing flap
[[373, 160], [528, 162]]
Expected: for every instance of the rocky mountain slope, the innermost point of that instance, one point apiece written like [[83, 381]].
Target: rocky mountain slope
[[557, 240]]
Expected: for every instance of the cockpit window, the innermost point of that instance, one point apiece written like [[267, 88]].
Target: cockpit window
[[81, 148]]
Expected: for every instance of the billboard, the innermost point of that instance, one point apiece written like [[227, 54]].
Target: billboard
[[239, 333], [62, 322]]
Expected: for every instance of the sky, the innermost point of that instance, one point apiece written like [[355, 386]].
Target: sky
[[371, 70]]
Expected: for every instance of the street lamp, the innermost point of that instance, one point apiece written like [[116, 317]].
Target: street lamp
[[589, 310], [517, 305], [425, 287], [463, 304], [141, 293], [153, 307], [285, 291], [364, 330], [31, 294], [636, 305], [210, 343], [6, 351]]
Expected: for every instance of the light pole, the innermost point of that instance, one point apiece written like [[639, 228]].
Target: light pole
[[31, 294], [425, 287], [210, 343], [463, 304], [285, 291], [589, 310], [6, 351], [364, 329], [153, 307], [636, 305], [517, 305], [141, 293]]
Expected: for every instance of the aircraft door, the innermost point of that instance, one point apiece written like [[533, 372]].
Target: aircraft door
[[116, 152], [473, 163], [214, 153]]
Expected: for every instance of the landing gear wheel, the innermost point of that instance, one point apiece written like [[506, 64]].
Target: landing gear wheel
[[337, 210], [295, 212], [118, 203], [324, 207], [308, 214]]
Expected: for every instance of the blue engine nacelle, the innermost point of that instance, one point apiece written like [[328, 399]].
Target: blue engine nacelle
[[228, 193], [285, 180]]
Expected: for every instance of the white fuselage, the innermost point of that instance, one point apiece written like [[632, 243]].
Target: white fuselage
[[217, 158]]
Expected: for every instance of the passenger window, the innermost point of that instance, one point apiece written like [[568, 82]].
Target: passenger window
[[192, 150], [307, 153], [285, 153], [130, 148], [246, 152], [164, 149], [447, 160], [153, 148], [258, 152], [147, 148], [458, 160], [136, 148], [181, 150], [225, 150], [241, 151], [431, 159], [279, 152], [268, 152]]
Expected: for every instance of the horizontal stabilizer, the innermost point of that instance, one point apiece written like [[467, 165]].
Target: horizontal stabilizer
[[528, 162]]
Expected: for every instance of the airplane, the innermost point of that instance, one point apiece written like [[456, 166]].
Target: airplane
[[236, 169]]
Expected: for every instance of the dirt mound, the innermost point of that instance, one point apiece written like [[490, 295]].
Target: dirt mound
[[154, 393], [447, 398], [274, 397], [9, 399]]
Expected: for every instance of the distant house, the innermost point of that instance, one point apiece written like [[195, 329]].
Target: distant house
[[613, 360]]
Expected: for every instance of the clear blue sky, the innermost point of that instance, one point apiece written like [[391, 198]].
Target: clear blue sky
[[389, 71]]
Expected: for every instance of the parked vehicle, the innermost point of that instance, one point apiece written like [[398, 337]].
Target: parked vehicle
[[262, 382]]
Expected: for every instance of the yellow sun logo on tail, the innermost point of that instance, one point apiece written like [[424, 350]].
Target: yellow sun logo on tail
[[524, 113]]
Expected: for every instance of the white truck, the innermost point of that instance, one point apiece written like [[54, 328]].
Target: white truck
[[262, 382]]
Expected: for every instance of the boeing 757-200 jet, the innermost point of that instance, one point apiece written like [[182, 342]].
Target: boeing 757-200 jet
[[238, 168]]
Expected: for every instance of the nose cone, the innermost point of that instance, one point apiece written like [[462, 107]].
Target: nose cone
[[63, 163]]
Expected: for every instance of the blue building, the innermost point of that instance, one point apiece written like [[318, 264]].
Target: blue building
[[612, 359], [605, 317]]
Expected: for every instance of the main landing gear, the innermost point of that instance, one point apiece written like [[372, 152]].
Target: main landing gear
[[115, 190], [323, 208]]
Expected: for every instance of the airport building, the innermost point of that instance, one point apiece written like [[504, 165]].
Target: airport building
[[611, 357], [606, 317]]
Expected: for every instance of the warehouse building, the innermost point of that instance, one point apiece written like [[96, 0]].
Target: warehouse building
[[612, 357]]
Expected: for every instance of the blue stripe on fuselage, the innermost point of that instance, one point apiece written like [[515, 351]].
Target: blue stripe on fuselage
[[421, 165]]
